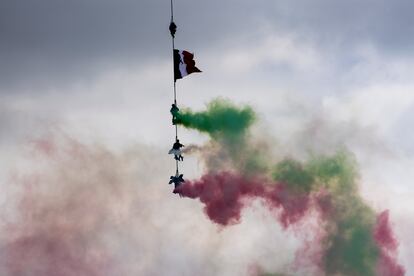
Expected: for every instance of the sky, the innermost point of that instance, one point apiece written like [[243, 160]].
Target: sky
[[321, 74]]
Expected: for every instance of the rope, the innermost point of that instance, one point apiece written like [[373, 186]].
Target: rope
[[175, 88], [172, 11]]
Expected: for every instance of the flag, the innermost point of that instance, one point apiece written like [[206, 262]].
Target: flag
[[184, 64]]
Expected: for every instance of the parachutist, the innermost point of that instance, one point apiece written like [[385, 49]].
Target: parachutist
[[176, 150], [177, 180], [174, 112], [172, 28]]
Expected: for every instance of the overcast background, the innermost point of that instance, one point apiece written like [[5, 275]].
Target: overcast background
[[321, 74]]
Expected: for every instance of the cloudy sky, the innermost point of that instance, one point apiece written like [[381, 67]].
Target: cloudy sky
[[322, 74]]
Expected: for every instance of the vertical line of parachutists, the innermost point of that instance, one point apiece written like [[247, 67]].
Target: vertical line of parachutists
[[183, 65], [173, 29], [177, 179]]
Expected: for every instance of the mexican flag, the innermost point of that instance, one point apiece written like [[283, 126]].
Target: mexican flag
[[184, 64]]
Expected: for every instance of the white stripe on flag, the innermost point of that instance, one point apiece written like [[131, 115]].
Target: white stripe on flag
[[182, 65]]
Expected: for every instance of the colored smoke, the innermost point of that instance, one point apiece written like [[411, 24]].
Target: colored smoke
[[225, 194], [88, 211], [61, 214], [388, 245], [352, 242], [82, 209], [231, 146], [222, 119]]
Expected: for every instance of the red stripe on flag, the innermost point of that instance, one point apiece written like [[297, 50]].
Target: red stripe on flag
[[189, 61]]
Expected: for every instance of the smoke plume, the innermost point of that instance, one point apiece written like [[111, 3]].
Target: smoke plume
[[81, 209], [353, 239]]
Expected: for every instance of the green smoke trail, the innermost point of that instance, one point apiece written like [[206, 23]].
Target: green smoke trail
[[221, 120], [349, 246], [228, 125]]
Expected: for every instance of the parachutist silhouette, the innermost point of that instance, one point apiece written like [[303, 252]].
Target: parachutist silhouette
[[172, 28], [176, 150], [177, 180], [174, 112]]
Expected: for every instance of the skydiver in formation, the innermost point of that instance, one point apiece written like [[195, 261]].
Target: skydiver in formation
[[174, 112], [177, 180], [172, 28], [176, 150]]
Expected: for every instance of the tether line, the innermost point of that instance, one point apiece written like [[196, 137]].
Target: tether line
[[172, 11], [175, 88]]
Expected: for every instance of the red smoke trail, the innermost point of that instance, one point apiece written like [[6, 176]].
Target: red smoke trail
[[384, 237], [225, 194], [53, 238], [61, 213]]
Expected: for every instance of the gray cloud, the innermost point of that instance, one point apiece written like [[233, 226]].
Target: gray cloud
[[55, 40], [49, 41], [384, 23]]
